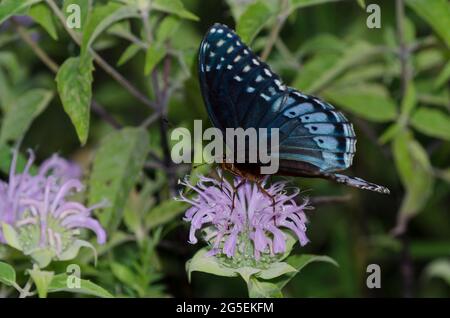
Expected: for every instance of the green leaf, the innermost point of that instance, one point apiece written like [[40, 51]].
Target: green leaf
[[299, 262], [439, 268], [42, 14], [253, 20], [390, 133], [9, 8], [116, 167], [207, 264], [128, 54], [20, 116], [432, 122], [313, 69], [164, 213], [298, 4], [74, 249], [436, 13], [103, 17], [362, 3], [167, 28], [43, 256], [261, 289], [42, 280], [444, 76], [247, 272], [415, 173], [154, 55], [85, 8], [175, 7], [74, 82], [369, 101], [125, 275], [275, 270], [408, 103], [7, 274], [10, 236], [333, 66], [60, 283]]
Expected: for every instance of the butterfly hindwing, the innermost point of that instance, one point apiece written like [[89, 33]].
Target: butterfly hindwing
[[240, 90]]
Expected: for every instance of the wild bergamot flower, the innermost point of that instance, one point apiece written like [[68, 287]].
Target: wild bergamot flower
[[253, 232], [37, 214]]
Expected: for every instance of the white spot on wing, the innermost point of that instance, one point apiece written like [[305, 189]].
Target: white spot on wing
[[237, 78], [250, 89]]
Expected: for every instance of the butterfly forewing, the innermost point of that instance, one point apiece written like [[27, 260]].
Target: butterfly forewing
[[240, 90]]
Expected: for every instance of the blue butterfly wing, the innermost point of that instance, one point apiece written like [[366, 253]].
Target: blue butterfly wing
[[241, 91]]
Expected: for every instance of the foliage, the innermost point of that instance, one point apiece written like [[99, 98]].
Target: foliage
[[108, 94]]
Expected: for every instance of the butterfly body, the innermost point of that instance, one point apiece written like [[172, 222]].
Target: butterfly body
[[241, 91]]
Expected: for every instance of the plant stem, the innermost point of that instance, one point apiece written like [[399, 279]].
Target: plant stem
[[281, 19], [25, 291], [406, 264], [36, 48]]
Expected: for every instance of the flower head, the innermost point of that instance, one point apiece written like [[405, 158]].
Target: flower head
[[41, 219], [254, 229]]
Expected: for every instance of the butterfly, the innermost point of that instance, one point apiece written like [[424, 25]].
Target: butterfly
[[240, 90]]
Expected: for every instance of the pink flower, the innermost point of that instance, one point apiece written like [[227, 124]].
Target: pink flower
[[253, 218], [39, 209]]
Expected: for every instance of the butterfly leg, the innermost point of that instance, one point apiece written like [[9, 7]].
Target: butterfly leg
[[235, 189], [264, 191]]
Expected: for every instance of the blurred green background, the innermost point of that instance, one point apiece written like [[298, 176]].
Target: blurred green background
[[392, 82]]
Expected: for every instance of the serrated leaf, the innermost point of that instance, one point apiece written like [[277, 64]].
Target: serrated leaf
[[432, 122], [175, 7], [42, 280], [253, 20], [7, 274], [116, 167], [128, 54], [103, 17], [74, 82], [369, 101], [20, 116], [60, 283], [155, 54], [436, 13], [9, 8], [207, 264], [42, 14], [164, 212]]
